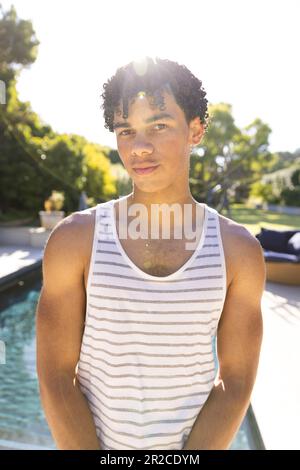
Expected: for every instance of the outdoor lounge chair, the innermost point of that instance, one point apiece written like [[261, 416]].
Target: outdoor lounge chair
[[282, 255]]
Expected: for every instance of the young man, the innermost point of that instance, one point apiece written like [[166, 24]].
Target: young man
[[126, 324]]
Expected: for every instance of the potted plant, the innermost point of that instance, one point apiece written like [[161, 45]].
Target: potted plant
[[52, 213]]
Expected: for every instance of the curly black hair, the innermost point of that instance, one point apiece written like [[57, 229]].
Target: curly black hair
[[153, 76]]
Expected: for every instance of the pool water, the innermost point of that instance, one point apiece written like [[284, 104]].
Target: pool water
[[22, 419]]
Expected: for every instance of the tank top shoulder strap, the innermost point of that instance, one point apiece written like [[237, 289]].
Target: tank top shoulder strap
[[217, 226], [101, 212]]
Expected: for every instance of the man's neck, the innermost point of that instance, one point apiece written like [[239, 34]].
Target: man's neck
[[185, 212], [149, 199]]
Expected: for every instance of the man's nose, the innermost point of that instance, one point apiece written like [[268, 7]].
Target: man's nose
[[142, 147]]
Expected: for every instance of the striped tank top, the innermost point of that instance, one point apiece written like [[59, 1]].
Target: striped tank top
[[147, 362]]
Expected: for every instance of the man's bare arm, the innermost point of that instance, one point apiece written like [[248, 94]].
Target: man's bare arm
[[60, 319], [239, 338]]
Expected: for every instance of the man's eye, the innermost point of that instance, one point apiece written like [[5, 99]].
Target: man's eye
[[122, 133], [165, 125], [128, 131]]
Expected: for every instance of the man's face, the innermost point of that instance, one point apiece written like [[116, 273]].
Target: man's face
[[148, 137]]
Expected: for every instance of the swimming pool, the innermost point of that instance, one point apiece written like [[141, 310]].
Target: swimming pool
[[22, 420]]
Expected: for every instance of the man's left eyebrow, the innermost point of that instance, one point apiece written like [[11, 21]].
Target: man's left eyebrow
[[155, 117]]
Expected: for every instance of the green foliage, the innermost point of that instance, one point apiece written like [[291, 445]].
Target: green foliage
[[283, 185], [295, 178], [285, 160], [264, 192], [123, 180], [18, 43], [231, 159], [291, 197], [114, 156], [34, 160], [98, 181]]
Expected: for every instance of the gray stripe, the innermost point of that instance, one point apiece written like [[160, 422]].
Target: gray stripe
[[130, 343], [204, 266], [119, 376], [112, 242], [163, 387], [208, 256], [151, 322], [105, 224], [109, 252], [136, 289], [128, 446], [117, 253], [146, 400], [150, 366], [112, 263], [123, 276], [155, 312], [185, 301], [146, 354], [147, 333]]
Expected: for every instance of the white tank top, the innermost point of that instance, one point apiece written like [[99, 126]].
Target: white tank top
[[147, 361]]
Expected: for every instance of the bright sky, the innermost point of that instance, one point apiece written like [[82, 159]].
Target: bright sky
[[245, 52]]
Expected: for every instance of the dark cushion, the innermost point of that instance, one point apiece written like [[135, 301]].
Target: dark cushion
[[293, 245], [274, 240], [290, 233], [281, 257]]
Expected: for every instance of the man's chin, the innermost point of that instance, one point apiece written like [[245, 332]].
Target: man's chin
[[150, 186]]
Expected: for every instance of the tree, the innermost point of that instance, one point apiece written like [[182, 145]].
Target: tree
[[18, 44], [229, 159], [35, 160]]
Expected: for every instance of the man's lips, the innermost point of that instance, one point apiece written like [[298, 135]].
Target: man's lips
[[145, 170]]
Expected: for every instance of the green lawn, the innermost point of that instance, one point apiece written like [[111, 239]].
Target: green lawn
[[254, 219]]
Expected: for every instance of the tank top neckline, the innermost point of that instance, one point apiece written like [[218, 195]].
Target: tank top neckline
[[142, 273]]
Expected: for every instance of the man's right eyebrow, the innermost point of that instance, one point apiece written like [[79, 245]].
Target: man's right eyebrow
[[156, 117], [121, 124]]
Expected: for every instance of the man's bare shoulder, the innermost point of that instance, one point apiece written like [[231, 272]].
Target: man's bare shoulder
[[236, 230], [80, 219], [74, 232], [77, 222], [240, 245]]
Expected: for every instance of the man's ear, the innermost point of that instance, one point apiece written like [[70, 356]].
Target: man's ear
[[197, 131]]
